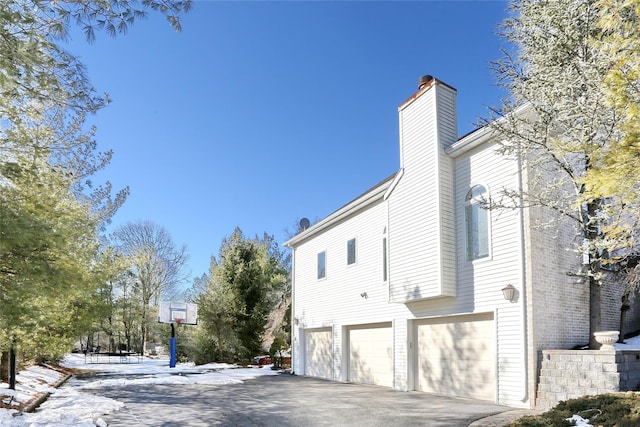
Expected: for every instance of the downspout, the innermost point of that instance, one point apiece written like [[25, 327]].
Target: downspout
[[523, 285]]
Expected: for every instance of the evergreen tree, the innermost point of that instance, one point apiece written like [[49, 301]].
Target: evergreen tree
[[48, 244], [616, 171], [242, 290]]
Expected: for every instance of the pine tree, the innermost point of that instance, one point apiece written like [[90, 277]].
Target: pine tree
[[244, 286], [616, 171]]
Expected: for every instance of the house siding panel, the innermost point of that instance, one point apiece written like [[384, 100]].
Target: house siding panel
[[481, 281], [421, 230], [337, 300]]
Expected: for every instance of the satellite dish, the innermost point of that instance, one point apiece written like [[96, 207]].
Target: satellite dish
[[304, 223]]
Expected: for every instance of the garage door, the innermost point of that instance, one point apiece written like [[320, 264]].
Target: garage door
[[318, 354], [371, 354], [456, 356]]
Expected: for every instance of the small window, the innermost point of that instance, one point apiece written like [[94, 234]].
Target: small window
[[351, 252], [322, 265], [384, 259], [477, 223]]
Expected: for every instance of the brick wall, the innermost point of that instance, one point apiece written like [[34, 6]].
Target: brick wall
[[559, 298], [612, 290], [569, 374], [632, 317]]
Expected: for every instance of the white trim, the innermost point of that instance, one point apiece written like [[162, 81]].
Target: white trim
[[325, 265], [489, 227], [438, 190], [482, 135], [393, 184], [294, 319], [351, 208], [355, 250], [523, 288]]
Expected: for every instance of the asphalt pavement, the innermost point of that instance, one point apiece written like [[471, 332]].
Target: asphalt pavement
[[288, 400]]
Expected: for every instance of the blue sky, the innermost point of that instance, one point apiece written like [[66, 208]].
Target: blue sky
[[260, 113]]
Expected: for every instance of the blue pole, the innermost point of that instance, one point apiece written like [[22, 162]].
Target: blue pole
[[172, 358], [172, 348]]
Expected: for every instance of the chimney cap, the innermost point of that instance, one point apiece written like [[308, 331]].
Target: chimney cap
[[424, 80]]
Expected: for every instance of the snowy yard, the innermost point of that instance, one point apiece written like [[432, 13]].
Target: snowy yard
[[73, 405]]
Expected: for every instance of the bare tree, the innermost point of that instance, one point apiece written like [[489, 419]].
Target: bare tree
[[157, 267]]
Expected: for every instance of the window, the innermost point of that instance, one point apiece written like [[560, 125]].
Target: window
[[351, 252], [321, 265], [477, 222], [384, 259]]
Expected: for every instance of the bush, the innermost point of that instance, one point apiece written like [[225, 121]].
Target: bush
[[606, 410], [279, 349]]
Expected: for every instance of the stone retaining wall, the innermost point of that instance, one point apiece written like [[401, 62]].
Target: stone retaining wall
[[569, 374]]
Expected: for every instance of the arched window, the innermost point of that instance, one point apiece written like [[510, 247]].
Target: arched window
[[477, 223]]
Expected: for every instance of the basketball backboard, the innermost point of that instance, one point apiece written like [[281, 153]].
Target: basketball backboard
[[184, 313]]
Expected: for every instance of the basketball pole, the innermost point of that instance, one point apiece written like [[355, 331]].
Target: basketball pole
[[172, 348]]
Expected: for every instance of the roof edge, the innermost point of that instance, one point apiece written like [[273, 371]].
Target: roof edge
[[365, 199]]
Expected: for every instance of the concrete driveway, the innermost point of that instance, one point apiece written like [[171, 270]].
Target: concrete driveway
[[288, 400]]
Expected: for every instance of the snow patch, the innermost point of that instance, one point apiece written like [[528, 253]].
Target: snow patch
[[74, 404]]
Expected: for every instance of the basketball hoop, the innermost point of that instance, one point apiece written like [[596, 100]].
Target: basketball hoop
[[176, 313]]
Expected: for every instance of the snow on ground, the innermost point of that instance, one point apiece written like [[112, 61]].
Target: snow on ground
[[629, 344], [30, 382], [75, 405]]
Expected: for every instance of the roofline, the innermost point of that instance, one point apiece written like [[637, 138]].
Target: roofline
[[384, 188], [483, 134], [370, 196]]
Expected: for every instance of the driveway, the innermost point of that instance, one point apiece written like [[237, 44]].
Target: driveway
[[287, 400]]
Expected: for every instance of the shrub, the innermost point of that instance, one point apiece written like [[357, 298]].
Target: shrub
[[606, 410], [278, 349]]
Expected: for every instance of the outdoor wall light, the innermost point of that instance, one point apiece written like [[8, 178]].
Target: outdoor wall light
[[364, 295], [509, 292]]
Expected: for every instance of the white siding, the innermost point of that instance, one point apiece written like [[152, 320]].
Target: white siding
[[447, 134], [480, 281], [429, 276], [421, 226], [512, 391], [336, 301]]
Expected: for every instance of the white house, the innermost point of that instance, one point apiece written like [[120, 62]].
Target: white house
[[403, 286]]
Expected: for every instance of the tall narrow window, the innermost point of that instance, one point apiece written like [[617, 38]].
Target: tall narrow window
[[477, 222], [384, 259], [322, 272], [351, 252]]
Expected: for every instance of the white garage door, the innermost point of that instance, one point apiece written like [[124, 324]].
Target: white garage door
[[456, 356], [371, 354], [318, 354]]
